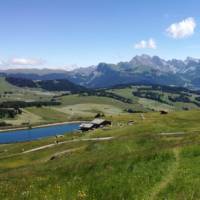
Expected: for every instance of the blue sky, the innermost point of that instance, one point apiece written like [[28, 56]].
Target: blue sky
[[63, 33]]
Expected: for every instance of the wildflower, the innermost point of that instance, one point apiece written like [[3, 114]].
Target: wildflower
[[81, 195]]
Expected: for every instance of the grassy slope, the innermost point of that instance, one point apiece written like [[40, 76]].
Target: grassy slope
[[74, 107], [48, 115], [32, 115], [5, 86], [78, 108], [146, 103], [151, 104], [137, 164], [21, 93], [89, 110], [25, 117], [76, 99]]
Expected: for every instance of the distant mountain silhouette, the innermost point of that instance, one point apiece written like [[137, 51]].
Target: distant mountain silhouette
[[140, 69]]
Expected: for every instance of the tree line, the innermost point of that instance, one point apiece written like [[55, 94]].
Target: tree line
[[150, 95], [9, 112], [24, 104]]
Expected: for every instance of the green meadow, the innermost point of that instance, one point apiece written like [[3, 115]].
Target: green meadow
[[143, 155], [157, 157], [77, 107]]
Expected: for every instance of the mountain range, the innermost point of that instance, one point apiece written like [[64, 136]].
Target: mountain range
[[140, 69]]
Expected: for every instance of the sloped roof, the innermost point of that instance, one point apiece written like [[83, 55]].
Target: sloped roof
[[97, 121], [86, 125]]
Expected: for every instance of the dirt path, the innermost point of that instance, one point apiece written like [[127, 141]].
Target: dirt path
[[168, 178], [173, 133], [142, 116], [69, 141]]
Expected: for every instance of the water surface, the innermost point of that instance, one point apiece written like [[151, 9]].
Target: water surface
[[36, 133]]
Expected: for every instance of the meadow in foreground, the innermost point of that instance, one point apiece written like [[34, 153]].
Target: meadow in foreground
[[155, 158]]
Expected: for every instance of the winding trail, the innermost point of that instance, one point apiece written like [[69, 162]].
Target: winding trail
[[168, 178], [56, 144], [68, 141]]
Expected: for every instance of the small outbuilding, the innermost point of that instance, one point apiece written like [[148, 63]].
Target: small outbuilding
[[163, 112]]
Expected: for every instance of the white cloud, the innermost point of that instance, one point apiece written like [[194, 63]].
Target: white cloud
[[182, 29], [29, 63], [25, 61], [16, 63], [151, 44], [146, 44]]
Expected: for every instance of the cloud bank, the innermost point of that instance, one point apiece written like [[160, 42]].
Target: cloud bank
[[21, 62], [25, 61]]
